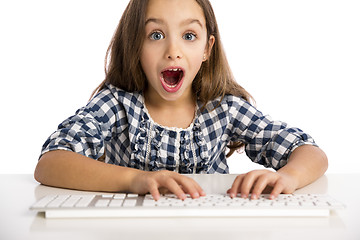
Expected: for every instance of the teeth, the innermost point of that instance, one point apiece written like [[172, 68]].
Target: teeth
[[174, 70], [170, 85]]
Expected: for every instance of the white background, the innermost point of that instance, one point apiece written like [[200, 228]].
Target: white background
[[299, 59]]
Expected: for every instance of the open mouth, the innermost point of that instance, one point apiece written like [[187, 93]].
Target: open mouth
[[171, 78]]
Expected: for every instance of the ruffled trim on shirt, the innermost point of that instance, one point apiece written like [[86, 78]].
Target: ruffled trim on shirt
[[203, 165], [139, 147], [157, 157]]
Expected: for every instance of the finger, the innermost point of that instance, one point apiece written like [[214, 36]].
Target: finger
[[261, 184], [190, 186], [175, 188], [200, 190], [154, 191], [248, 183], [278, 188], [235, 186]]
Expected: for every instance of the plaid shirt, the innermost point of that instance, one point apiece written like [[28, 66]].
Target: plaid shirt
[[118, 124]]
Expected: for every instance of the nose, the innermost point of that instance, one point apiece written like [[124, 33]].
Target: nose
[[173, 51]]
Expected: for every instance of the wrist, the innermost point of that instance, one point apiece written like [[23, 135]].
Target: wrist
[[306, 164], [293, 177], [126, 178]]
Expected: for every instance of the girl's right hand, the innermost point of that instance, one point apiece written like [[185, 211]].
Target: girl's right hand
[[154, 182]]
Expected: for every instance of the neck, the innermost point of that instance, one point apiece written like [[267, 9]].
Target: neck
[[179, 113], [155, 100]]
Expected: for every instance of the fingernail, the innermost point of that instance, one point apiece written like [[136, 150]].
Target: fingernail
[[272, 197], [232, 195], [196, 195], [253, 196]]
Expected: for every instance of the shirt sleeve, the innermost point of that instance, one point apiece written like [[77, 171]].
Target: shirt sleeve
[[267, 142], [86, 131]]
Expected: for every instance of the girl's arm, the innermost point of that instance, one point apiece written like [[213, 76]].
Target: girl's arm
[[306, 164], [67, 169]]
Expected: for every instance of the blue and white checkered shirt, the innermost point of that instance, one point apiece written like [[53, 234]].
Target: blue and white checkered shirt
[[118, 124]]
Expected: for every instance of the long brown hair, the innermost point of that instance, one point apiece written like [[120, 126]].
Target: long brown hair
[[123, 68]]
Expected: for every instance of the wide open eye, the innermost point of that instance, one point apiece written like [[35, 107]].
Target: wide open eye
[[156, 36], [189, 36]]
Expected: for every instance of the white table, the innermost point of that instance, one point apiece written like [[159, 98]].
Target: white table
[[18, 192]]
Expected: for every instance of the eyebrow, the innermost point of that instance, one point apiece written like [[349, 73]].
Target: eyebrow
[[185, 22]]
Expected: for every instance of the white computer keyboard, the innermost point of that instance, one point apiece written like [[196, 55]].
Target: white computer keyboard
[[212, 205]]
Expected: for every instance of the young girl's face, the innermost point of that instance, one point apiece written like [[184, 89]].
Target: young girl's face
[[175, 46]]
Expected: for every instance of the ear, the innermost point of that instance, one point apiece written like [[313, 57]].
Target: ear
[[208, 48]]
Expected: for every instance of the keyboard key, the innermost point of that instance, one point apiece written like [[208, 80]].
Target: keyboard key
[[162, 204], [292, 203], [58, 201], [71, 201], [149, 203], [264, 204], [120, 196], [84, 201], [148, 197], [107, 195], [44, 201], [102, 203], [178, 204], [132, 195], [130, 202], [116, 203], [307, 204], [251, 203], [278, 204], [207, 204], [192, 204]]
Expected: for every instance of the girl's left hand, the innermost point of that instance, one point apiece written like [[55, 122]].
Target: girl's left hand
[[256, 181]]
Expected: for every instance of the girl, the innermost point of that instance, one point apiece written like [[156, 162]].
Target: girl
[[169, 105]]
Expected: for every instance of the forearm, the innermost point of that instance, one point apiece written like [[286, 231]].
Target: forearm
[[71, 170], [306, 164]]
